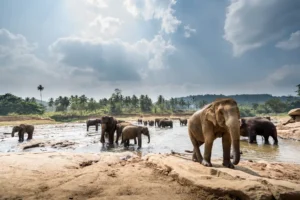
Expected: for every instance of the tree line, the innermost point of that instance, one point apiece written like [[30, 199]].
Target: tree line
[[117, 103]]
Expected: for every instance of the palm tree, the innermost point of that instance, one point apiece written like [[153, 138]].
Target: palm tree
[[40, 88]]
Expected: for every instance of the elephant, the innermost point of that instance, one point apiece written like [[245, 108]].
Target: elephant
[[151, 122], [145, 123], [132, 132], [109, 126], [21, 129], [182, 121], [120, 121], [140, 121], [165, 123], [251, 127], [217, 119], [93, 122], [120, 128], [156, 120]]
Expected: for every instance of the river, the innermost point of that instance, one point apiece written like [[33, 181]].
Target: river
[[162, 141]]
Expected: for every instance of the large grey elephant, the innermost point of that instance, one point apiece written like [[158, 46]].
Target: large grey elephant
[[132, 132], [165, 123], [109, 126], [253, 126], [22, 129], [217, 119], [93, 122]]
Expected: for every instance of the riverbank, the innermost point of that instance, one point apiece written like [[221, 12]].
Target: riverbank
[[154, 176], [35, 120]]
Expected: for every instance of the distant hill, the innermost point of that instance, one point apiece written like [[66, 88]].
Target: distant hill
[[240, 98]]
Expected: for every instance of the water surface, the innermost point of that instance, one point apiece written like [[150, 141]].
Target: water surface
[[162, 141]]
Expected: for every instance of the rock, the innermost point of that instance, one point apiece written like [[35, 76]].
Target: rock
[[241, 183], [294, 112]]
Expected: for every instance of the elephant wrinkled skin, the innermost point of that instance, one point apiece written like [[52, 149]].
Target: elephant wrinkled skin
[[217, 119], [132, 132], [93, 122], [22, 129], [253, 126], [108, 125]]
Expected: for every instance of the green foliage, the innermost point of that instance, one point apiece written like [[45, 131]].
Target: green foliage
[[13, 104], [298, 90]]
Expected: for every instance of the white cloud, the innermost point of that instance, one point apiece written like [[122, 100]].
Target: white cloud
[[113, 60], [285, 75], [154, 9], [251, 24], [188, 30], [292, 43], [105, 25], [98, 3]]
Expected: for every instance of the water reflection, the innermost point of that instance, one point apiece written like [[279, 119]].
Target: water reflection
[[162, 141]]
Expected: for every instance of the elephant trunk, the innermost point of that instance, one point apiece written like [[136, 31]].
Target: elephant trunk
[[12, 134], [236, 151], [234, 129], [148, 138]]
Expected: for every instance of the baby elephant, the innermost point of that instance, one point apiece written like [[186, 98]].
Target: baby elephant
[[183, 122], [93, 122], [151, 122], [132, 132], [253, 126], [21, 129]]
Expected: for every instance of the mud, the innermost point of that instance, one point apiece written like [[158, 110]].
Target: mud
[[73, 137]]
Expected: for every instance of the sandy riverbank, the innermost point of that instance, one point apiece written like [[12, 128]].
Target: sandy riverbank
[[126, 176]]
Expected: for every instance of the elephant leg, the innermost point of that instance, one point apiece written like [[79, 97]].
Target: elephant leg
[[135, 140], [226, 142], [266, 138], [96, 127], [139, 141], [196, 152], [207, 151], [102, 140], [274, 138], [111, 137], [252, 137], [118, 136], [87, 128]]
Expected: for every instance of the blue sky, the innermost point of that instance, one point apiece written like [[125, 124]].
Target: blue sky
[[169, 47]]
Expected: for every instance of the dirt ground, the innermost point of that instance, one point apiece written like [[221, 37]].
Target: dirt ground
[[126, 176]]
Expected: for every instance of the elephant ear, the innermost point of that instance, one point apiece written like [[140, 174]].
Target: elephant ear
[[210, 116], [220, 117]]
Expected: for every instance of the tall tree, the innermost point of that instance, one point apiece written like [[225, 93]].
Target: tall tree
[[51, 102], [41, 88], [298, 90]]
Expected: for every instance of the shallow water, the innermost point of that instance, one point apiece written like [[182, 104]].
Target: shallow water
[[162, 141]]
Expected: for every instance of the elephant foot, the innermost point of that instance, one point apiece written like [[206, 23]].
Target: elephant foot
[[206, 164], [228, 164]]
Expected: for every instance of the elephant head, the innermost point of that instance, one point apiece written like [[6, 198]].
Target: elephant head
[[243, 128], [225, 114], [145, 131], [15, 129]]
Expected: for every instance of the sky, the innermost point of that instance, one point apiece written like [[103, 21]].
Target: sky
[[171, 47]]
